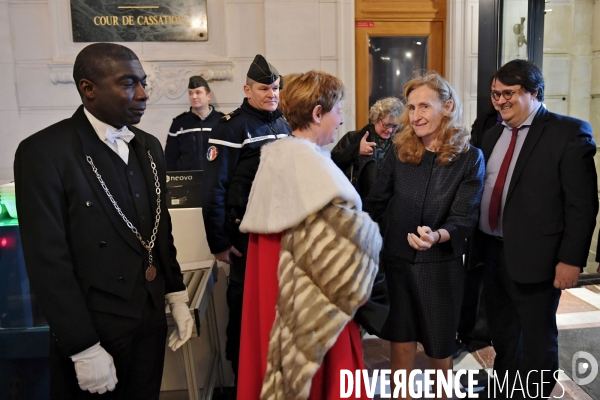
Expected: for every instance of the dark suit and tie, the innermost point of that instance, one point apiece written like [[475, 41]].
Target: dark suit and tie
[[537, 217], [103, 298]]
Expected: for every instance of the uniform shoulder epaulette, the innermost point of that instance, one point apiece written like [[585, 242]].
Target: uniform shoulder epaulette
[[232, 114], [180, 115]]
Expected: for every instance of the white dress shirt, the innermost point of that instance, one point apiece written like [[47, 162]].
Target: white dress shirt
[[492, 169], [119, 146]]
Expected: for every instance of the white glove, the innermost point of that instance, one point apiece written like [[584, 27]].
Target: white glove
[[181, 314], [95, 370]]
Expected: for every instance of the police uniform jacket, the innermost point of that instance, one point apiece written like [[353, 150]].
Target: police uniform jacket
[[188, 140], [235, 144], [79, 254]]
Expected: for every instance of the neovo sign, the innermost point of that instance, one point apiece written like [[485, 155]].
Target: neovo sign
[[184, 189]]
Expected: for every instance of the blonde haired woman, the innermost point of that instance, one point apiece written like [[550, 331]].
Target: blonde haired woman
[[432, 182], [312, 256]]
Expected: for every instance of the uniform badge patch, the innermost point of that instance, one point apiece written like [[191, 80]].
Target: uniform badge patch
[[212, 153]]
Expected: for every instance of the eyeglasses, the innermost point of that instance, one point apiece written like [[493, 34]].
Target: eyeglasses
[[507, 94], [393, 127]]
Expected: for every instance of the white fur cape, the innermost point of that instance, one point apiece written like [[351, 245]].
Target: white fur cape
[[295, 179]]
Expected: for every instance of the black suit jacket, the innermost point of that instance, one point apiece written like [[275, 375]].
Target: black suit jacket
[[79, 253], [552, 201]]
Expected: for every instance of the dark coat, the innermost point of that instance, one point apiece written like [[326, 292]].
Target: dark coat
[[361, 170], [79, 254], [552, 201], [438, 196], [187, 142]]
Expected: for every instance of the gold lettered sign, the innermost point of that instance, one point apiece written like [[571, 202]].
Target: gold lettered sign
[[139, 21]]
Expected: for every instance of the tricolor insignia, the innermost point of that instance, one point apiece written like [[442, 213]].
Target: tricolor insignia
[[212, 153]]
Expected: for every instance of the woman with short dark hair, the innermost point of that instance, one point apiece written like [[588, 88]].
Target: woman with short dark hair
[[312, 256]]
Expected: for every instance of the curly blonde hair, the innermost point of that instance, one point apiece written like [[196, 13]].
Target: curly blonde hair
[[454, 136], [391, 106]]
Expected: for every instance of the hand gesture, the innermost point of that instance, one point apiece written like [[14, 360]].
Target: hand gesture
[[424, 241], [366, 148], [225, 256]]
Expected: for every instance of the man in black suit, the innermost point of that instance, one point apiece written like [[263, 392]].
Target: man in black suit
[[537, 217], [84, 187]]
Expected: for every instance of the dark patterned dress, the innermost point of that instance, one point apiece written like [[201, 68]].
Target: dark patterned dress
[[426, 287]]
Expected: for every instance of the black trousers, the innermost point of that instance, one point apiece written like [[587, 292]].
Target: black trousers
[[522, 322], [138, 350], [235, 295], [473, 323]]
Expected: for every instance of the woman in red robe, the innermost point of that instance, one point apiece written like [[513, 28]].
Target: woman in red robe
[[312, 257]]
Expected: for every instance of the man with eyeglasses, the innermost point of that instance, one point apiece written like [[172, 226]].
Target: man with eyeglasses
[[537, 217], [360, 153]]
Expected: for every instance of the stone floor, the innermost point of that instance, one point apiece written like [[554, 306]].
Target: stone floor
[[578, 308]]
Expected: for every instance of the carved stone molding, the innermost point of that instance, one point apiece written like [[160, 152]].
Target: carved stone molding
[[61, 73], [169, 79]]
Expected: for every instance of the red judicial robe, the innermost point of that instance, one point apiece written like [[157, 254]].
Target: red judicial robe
[[260, 299]]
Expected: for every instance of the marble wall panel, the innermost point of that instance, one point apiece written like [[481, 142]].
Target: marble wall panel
[[6, 45], [558, 29], [250, 40], [582, 27], [557, 104], [596, 27], [285, 66], [292, 31], [32, 36], [455, 45], [228, 95], [331, 67], [289, 1], [10, 137], [473, 26], [595, 122], [35, 90], [469, 113], [579, 108], [472, 83], [556, 74], [32, 121], [8, 97], [595, 86], [245, 1], [329, 28], [581, 80], [462, 50]]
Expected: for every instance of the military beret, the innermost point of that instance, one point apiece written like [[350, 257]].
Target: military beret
[[261, 71], [197, 81]]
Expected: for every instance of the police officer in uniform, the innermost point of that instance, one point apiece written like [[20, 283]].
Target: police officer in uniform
[[188, 137], [233, 158]]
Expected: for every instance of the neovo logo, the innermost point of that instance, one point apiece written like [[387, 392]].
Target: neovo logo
[[180, 178]]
